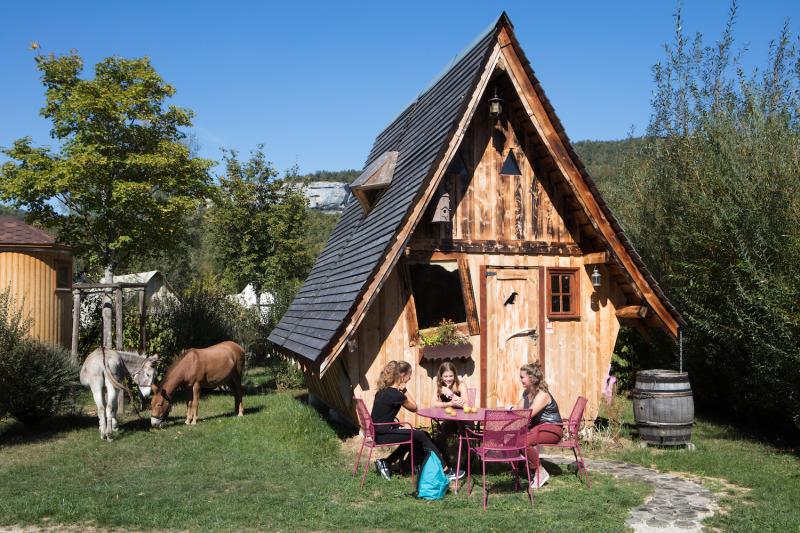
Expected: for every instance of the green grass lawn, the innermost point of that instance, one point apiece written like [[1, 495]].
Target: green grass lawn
[[280, 467], [765, 478]]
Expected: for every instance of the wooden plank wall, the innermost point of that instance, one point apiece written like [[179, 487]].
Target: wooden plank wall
[[521, 213], [577, 352], [499, 207], [32, 279]]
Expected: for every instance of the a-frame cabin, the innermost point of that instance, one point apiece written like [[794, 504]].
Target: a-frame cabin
[[484, 216]]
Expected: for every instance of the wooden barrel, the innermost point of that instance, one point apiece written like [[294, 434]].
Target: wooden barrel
[[663, 407]]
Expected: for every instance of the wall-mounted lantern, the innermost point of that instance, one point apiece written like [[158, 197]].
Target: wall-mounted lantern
[[495, 105], [596, 278]]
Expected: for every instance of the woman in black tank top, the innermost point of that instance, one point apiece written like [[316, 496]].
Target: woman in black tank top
[[546, 423]]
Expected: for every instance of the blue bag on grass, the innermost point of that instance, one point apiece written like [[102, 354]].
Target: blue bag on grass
[[433, 482]]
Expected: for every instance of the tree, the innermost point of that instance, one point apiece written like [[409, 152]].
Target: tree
[[258, 225], [123, 178], [712, 203]]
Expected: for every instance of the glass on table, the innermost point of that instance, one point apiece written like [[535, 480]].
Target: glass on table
[[471, 396]]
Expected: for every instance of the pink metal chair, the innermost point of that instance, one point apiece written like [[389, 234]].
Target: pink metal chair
[[501, 440], [570, 438], [368, 429]]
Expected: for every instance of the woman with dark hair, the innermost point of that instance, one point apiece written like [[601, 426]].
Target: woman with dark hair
[[546, 423], [391, 396]]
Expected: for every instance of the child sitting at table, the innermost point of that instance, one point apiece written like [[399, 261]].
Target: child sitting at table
[[448, 393]]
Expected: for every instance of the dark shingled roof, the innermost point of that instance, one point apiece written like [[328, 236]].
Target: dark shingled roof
[[14, 231], [360, 241], [355, 249]]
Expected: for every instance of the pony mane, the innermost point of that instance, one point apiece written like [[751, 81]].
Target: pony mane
[[177, 360]]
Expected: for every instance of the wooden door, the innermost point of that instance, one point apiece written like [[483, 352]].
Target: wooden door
[[512, 316]]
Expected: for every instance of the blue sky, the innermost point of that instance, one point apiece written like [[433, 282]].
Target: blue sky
[[316, 81]]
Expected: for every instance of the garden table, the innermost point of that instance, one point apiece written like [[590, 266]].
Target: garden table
[[439, 414]]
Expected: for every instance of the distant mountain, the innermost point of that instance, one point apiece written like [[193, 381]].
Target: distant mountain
[[6, 211], [344, 176], [604, 159]]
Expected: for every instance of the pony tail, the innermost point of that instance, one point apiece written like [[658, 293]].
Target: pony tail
[[388, 375]]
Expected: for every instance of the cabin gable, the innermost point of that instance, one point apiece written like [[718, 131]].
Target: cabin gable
[[462, 202]]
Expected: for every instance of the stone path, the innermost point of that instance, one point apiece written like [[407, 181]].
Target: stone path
[[676, 505]]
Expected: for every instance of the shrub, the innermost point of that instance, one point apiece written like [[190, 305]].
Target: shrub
[[13, 328], [712, 203], [38, 380]]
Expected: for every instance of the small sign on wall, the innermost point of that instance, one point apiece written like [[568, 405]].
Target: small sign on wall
[[548, 327]]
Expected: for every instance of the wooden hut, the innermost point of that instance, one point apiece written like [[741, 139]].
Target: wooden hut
[[38, 271], [474, 207]]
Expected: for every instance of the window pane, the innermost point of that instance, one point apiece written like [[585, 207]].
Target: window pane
[[437, 294], [565, 304], [565, 283], [554, 305], [554, 284]]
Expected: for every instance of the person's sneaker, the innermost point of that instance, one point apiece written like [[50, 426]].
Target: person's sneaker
[[542, 478], [383, 469], [461, 475]]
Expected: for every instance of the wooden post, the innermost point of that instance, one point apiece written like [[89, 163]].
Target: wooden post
[[142, 321], [118, 316], [107, 333], [108, 278], [76, 321], [120, 341]]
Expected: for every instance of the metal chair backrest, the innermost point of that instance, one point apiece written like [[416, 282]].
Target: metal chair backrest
[[576, 418], [505, 430], [364, 418]]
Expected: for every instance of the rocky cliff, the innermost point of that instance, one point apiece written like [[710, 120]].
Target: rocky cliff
[[330, 196]]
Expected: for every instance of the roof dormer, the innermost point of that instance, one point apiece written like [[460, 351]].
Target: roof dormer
[[368, 187]]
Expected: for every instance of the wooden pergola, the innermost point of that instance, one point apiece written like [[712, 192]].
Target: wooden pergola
[[78, 289]]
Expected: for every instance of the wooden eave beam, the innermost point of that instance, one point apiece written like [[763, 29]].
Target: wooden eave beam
[[550, 137], [412, 219], [632, 311], [596, 258]]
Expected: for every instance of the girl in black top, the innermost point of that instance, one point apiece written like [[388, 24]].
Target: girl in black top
[[391, 396]]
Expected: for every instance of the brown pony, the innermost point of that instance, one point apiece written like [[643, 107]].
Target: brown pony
[[199, 367]]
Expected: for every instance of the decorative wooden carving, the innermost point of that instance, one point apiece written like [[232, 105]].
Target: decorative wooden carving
[[519, 213]]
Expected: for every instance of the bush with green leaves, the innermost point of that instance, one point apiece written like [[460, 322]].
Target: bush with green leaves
[[712, 202], [38, 380]]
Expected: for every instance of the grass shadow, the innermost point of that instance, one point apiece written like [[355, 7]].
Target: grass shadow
[[179, 420], [343, 428], [15, 433]]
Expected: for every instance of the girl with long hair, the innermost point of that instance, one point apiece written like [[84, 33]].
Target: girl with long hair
[[391, 396], [546, 424], [448, 393]]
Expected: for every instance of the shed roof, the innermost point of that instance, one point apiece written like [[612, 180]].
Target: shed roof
[[16, 232], [348, 272]]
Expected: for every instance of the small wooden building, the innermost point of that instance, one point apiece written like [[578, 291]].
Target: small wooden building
[[39, 272], [473, 207]]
